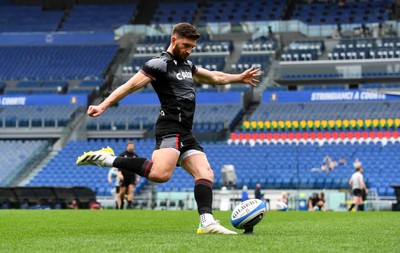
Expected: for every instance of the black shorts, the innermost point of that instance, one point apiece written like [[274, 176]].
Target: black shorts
[[127, 181], [186, 144], [357, 192], [181, 142], [117, 189]]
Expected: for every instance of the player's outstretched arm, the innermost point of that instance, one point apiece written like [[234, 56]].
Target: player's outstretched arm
[[137, 82], [220, 78]]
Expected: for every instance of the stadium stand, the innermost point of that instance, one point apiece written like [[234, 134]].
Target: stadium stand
[[303, 51], [280, 145], [98, 17], [326, 111], [385, 48], [238, 11], [172, 13], [15, 155], [29, 19], [342, 12], [43, 62], [37, 116]]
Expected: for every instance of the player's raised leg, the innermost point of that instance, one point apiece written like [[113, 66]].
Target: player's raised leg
[[158, 170], [198, 166]]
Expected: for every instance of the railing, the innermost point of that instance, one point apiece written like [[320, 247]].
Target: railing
[[257, 29]]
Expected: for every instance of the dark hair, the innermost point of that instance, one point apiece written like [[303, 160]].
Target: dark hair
[[186, 30]]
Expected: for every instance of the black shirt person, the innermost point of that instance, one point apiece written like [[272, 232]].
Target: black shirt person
[[128, 178]]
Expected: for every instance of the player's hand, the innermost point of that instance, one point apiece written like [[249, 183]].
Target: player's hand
[[95, 110], [249, 76]]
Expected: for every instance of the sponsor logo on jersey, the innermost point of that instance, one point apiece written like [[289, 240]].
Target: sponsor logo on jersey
[[184, 75]]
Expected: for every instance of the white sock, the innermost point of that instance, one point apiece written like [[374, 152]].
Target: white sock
[[109, 160], [206, 219]]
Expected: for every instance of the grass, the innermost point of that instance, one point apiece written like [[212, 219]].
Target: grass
[[174, 231]]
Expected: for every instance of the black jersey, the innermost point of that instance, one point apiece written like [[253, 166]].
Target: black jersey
[[127, 173], [173, 82]]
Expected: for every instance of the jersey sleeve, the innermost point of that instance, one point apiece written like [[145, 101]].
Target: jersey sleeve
[[154, 68], [193, 67]]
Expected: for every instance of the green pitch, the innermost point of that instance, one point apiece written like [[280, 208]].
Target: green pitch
[[175, 231]]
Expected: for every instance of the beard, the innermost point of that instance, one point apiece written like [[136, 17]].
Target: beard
[[178, 55]]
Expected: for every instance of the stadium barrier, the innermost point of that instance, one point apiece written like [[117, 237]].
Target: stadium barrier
[[46, 197], [396, 205]]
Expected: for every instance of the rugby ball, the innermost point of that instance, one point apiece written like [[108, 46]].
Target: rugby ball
[[281, 206], [248, 213]]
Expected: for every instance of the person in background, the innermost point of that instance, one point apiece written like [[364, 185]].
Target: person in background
[[113, 174], [284, 198], [357, 185], [357, 163], [128, 179], [342, 161], [73, 205], [257, 192], [317, 202]]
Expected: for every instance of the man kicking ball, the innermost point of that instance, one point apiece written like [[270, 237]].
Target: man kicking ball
[[173, 78]]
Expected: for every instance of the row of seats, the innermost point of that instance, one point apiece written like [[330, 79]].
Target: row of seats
[[214, 63], [37, 116], [303, 50], [300, 55], [260, 44], [172, 13], [306, 125], [98, 17], [43, 62], [323, 77], [239, 11], [16, 154], [343, 12], [368, 43], [208, 117], [385, 48], [319, 45], [29, 19], [240, 137], [326, 111], [52, 87]]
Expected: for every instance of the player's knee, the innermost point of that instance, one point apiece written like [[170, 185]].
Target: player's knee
[[210, 174], [160, 174], [206, 173], [159, 177]]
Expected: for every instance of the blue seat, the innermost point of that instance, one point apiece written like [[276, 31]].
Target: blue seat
[[382, 191], [270, 184], [286, 183], [294, 183], [320, 183]]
